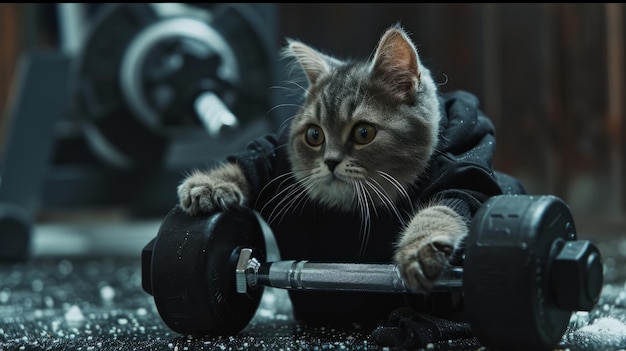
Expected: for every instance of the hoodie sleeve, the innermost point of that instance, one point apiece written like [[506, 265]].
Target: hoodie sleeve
[[461, 172], [259, 161]]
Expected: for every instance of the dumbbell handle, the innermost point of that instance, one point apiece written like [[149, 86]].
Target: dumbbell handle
[[305, 275]]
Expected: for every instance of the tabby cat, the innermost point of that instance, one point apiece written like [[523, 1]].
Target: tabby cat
[[376, 166]]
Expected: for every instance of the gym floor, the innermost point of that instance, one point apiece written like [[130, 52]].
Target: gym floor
[[81, 290]]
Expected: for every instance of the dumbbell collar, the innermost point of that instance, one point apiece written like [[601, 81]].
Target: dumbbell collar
[[247, 271], [577, 276]]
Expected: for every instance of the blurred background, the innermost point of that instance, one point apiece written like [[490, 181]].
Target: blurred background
[[105, 106]]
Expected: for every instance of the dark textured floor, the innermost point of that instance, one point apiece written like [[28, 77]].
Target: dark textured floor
[[64, 300]]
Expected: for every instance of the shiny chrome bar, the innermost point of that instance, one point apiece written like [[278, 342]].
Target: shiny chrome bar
[[305, 275]]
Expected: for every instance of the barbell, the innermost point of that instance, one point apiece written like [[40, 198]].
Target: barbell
[[523, 274], [152, 78]]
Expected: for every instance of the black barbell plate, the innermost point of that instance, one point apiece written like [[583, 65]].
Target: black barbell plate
[[113, 131], [96, 100], [508, 298], [193, 271]]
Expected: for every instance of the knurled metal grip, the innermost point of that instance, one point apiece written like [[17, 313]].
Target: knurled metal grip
[[306, 275]]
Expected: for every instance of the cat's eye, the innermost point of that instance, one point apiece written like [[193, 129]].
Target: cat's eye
[[314, 135], [363, 133]]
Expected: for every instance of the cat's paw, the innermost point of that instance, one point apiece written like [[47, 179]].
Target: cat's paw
[[421, 263], [426, 245], [201, 193]]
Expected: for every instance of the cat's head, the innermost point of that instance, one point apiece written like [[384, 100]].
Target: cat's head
[[366, 129]]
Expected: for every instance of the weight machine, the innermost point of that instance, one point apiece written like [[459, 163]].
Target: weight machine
[[116, 117]]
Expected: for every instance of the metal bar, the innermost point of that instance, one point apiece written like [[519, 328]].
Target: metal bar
[[214, 114], [72, 23], [305, 275]]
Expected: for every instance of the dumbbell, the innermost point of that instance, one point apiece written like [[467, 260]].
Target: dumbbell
[[523, 274]]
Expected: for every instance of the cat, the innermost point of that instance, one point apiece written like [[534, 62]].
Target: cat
[[377, 165]]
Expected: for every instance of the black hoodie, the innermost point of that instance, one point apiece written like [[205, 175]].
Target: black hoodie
[[460, 174]]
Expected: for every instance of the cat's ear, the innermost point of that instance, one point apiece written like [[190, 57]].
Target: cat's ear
[[314, 63], [395, 62]]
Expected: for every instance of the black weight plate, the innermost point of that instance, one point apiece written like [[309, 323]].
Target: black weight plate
[[116, 135], [193, 271], [97, 103], [508, 299], [246, 94], [253, 43]]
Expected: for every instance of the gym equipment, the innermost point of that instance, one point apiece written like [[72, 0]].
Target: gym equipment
[[186, 268], [154, 75], [28, 147], [150, 93], [523, 274]]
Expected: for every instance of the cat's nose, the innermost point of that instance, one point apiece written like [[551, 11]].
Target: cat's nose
[[331, 164]]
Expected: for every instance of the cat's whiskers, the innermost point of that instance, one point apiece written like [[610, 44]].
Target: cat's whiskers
[[293, 192], [368, 195], [445, 76], [385, 198], [306, 199], [285, 177], [295, 199], [280, 106], [364, 208], [285, 124], [396, 184], [292, 196], [283, 145], [298, 85], [345, 191], [298, 106], [281, 86], [280, 198]]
